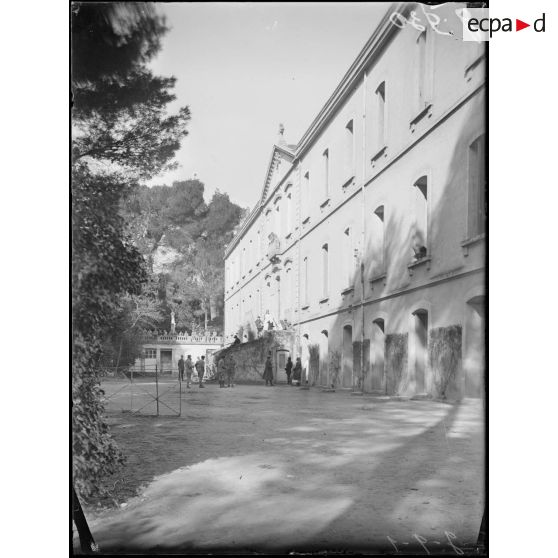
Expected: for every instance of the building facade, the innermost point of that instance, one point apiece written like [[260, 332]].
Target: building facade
[[163, 350], [369, 236]]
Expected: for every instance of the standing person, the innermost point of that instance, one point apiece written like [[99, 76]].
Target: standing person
[[222, 371], [259, 326], [288, 370], [297, 372], [231, 366], [200, 369], [189, 370], [181, 368], [268, 370]]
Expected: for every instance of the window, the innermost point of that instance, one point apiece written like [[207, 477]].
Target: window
[[421, 70], [150, 353], [288, 213], [420, 188], [277, 224], [378, 242], [348, 257], [349, 150], [305, 281], [326, 173], [325, 270], [250, 254], [287, 291], [380, 115], [306, 196], [477, 188]]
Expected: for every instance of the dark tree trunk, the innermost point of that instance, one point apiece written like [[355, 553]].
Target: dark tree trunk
[[86, 541]]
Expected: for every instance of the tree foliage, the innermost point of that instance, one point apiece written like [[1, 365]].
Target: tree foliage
[[122, 134], [178, 217]]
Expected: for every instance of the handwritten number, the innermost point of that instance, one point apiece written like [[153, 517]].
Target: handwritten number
[[421, 541], [393, 542], [398, 20], [450, 536], [415, 22]]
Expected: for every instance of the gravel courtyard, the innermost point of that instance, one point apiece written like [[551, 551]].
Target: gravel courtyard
[[281, 469]]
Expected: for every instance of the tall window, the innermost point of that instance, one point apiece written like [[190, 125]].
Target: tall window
[[378, 242], [421, 70], [251, 257], [326, 173], [305, 281], [289, 218], [420, 188], [349, 150], [348, 256], [306, 196], [380, 115], [477, 188], [277, 224], [325, 270]]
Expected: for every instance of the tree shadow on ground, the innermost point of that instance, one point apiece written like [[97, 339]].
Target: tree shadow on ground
[[306, 488]]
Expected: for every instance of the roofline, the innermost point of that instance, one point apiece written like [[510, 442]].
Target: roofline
[[381, 34]]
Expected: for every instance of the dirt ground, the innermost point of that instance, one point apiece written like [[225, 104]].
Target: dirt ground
[[279, 469]]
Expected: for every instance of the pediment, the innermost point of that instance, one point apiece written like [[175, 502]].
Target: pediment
[[279, 164]]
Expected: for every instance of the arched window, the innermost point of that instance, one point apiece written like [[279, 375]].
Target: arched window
[[325, 270], [377, 232], [381, 115], [325, 163], [306, 196], [349, 151], [420, 348], [305, 281], [277, 221], [288, 212], [420, 229], [348, 257], [421, 70]]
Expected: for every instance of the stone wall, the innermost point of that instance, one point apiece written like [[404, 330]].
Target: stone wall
[[250, 357]]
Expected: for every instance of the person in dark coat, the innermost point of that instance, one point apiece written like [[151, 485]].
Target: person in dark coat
[[236, 340], [181, 368], [289, 370], [200, 369], [189, 370], [297, 371], [222, 372], [268, 371]]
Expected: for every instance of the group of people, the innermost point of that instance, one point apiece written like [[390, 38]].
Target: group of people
[[188, 366], [293, 373], [225, 371], [226, 367]]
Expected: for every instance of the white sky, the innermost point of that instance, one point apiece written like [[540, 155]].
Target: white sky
[[243, 68]]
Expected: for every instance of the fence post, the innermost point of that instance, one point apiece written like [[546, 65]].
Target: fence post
[[131, 390], [179, 397], [157, 389]]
